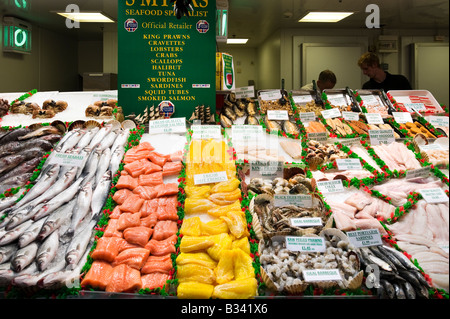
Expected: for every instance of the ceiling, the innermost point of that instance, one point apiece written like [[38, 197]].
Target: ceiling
[[253, 19]]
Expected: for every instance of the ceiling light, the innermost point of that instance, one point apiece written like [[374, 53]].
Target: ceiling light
[[237, 41], [86, 17], [325, 16]]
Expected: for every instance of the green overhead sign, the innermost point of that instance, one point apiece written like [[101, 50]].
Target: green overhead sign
[[164, 60]]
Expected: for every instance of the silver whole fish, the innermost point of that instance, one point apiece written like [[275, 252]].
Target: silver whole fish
[[65, 138], [103, 166], [31, 233], [60, 185], [78, 246], [109, 140], [121, 140], [24, 257], [88, 136], [90, 169], [21, 216], [6, 252], [32, 279], [100, 135], [47, 251], [8, 275], [83, 204], [100, 194], [41, 186], [56, 219], [116, 160], [86, 152], [72, 141], [7, 202], [59, 200]]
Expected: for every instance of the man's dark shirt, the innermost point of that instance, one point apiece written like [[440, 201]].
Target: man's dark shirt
[[392, 82]]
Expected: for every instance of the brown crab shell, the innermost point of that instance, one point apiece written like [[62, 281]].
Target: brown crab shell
[[92, 111]]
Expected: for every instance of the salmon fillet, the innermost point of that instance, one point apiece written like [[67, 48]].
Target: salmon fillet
[[138, 235], [124, 279], [172, 168], [126, 245], [162, 247], [165, 229], [150, 167], [149, 221], [166, 213], [107, 249], [127, 181], [132, 204], [111, 229], [115, 214], [154, 280], [142, 151], [153, 179], [150, 207], [158, 158], [159, 264], [136, 168], [121, 195], [98, 275], [176, 156], [167, 189], [146, 192], [133, 257], [127, 220]]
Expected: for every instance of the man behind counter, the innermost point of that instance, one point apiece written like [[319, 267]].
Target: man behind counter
[[327, 81], [380, 79]]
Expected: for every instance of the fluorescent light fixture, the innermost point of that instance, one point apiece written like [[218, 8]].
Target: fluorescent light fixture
[[86, 16], [325, 16], [237, 41]]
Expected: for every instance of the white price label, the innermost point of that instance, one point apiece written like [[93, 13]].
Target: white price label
[[318, 137], [175, 125], [306, 222], [439, 121], [365, 238], [402, 117], [305, 244], [304, 201], [307, 117], [270, 95], [331, 113], [329, 187], [345, 164], [245, 92], [278, 115], [211, 178], [421, 172], [64, 159], [246, 132], [338, 100], [378, 137], [350, 116], [374, 118], [206, 132], [322, 275], [302, 99], [434, 195], [266, 169], [412, 107], [431, 147]]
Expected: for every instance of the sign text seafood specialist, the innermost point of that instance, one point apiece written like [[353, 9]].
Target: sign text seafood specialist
[[148, 8]]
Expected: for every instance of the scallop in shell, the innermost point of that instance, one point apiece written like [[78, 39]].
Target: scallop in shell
[[128, 125], [115, 124], [79, 124], [91, 124], [60, 125]]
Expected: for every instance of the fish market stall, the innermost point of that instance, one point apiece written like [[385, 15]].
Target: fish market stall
[[280, 196]]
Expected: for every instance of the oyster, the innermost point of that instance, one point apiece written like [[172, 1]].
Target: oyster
[[251, 120], [225, 121], [228, 111], [239, 112]]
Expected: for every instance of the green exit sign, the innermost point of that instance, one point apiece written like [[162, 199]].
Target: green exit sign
[[16, 35]]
